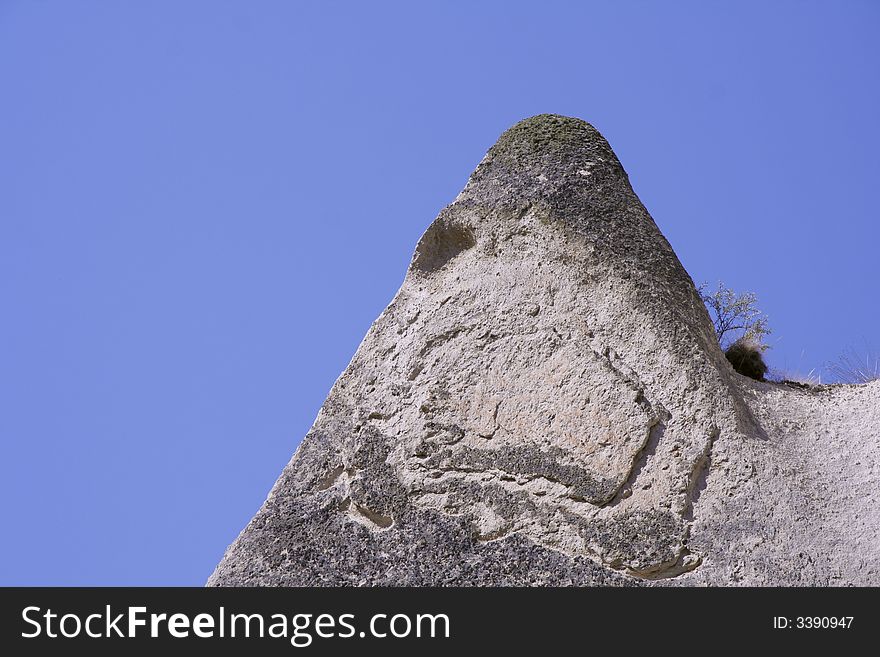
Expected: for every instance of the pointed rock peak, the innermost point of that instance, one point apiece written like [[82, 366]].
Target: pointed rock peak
[[545, 134], [547, 158], [545, 389]]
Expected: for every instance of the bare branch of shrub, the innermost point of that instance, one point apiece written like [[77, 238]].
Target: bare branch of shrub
[[735, 316]]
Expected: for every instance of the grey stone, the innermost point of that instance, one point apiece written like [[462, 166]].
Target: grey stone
[[544, 403]]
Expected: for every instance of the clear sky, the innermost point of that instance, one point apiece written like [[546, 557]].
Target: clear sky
[[204, 205]]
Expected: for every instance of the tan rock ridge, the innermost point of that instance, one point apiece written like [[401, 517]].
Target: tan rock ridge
[[544, 402]]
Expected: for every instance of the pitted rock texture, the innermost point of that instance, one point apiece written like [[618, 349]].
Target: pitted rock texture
[[544, 402]]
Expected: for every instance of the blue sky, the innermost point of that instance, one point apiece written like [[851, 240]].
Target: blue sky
[[204, 205]]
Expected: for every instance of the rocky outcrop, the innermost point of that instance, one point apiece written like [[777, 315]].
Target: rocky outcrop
[[544, 402]]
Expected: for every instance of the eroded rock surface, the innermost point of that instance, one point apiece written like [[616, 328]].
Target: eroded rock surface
[[544, 402]]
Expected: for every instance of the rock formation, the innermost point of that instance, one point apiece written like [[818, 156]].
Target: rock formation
[[544, 402]]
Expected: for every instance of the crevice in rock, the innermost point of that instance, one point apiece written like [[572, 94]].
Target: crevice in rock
[[520, 481], [655, 435], [660, 417], [495, 535], [379, 520], [685, 563], [363, 515], [699, 475], [328, 481], [687, 560], [438, 340], [522, 463]]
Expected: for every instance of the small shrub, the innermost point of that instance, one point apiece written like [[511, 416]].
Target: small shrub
[[747, 358], [734, 315]]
